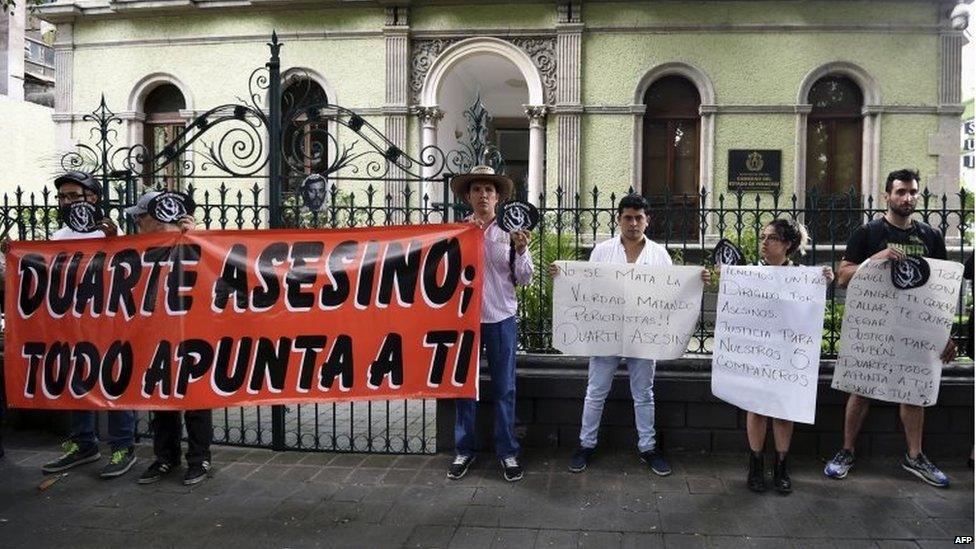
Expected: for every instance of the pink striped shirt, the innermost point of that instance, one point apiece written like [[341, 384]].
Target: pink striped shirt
[[498, 300]]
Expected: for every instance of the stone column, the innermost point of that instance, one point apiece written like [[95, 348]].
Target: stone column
[[12, 44], [64, 60], [945, 144], [568, 110], [396, 33], [429, 117], [537, 151]]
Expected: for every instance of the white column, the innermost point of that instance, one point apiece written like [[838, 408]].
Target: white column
[[537, 151], [429, 117], [64, 60], [396, 35]]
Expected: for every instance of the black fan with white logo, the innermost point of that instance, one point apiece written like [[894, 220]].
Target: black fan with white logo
[[170, 207], [516, 215], [727, 253], [911, 272]]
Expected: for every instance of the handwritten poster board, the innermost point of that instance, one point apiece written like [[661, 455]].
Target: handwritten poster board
[[639, 311], [891, 339], [768, 327]]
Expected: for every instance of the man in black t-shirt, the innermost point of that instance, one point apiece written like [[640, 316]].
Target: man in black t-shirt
[[892, 237]]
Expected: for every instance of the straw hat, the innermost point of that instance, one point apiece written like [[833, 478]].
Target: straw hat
[[503, 185]]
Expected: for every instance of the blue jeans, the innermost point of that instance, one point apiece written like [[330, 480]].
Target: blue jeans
[[121, 429], [499, 341], [601, 372]]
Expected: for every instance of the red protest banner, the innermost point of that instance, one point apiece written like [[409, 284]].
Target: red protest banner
[[223, 318]]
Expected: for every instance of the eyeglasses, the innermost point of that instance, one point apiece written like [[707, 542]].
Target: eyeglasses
[[70, 197], [770, 238]]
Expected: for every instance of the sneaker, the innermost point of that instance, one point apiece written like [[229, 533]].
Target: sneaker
[[512, 469], [659, 466], [73, 455], [460, 467], [156, 471], [196, 472], [840, 464], [924, 469], [119, 464], [581, 458]]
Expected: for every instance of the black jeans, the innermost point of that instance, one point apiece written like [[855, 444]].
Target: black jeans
[[167, 433]]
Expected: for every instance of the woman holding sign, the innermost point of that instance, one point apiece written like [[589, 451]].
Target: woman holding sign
[[779, 240]]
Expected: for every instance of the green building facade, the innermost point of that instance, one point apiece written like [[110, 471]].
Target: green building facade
[[645, 95]]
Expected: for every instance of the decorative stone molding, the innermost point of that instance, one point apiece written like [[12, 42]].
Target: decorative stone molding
[[540, 49], [429, 115], [535, 113], [568, 12]]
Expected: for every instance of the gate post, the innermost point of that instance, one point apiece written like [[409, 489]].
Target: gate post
[[274, 134], [274, 193]]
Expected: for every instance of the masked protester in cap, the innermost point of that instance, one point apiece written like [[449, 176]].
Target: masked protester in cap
[[82, 447], [507, 263], [892, 238], [167, 425], [633, 247]]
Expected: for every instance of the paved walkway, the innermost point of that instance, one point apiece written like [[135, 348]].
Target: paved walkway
[[259, 498]]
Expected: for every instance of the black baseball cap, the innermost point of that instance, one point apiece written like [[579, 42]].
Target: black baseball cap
[[81, 178]]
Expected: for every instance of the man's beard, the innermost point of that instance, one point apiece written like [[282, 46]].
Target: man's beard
[[903, 211]]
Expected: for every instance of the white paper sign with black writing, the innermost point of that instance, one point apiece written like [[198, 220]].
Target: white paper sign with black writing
[[768, 329], [639, 311], [891, 339]]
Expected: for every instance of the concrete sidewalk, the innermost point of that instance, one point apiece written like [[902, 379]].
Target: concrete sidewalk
[[259, 498]]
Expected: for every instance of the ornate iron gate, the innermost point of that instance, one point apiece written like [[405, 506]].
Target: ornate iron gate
[[239, 162]]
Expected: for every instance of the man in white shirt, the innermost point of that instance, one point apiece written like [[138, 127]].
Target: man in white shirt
[[630, 247], [82, 446]]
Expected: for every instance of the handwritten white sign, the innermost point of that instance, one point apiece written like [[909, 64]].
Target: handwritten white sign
[[768, 327], [610, 309], [891, 339]]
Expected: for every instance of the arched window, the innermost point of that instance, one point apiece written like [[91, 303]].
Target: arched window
[[670, 164], [305, 143], [834, 130], [164, 123]]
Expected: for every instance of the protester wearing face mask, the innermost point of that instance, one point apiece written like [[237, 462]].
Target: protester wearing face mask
[[168, 424], [79, 209]]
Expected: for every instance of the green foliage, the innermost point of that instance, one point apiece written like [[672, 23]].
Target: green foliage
[[535, 300]]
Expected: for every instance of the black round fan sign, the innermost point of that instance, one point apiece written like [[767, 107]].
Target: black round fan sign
[[171, 206], [516, 215], [911, 272], [727, 253], [83, 216]]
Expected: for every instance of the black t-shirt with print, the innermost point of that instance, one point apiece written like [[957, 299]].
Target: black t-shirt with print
[[919, 239]]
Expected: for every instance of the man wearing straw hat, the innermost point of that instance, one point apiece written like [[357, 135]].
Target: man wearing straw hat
[[507, 263]]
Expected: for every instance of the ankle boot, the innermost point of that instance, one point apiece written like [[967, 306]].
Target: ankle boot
[[757, 473], [781, 476]]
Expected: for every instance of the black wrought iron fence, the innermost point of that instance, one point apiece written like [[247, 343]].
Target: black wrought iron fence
[[568, 229]]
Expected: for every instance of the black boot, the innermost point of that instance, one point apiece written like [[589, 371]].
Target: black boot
[[757, 473], [781, 476]]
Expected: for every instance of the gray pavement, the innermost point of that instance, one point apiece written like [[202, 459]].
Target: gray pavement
[[259, 498]]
